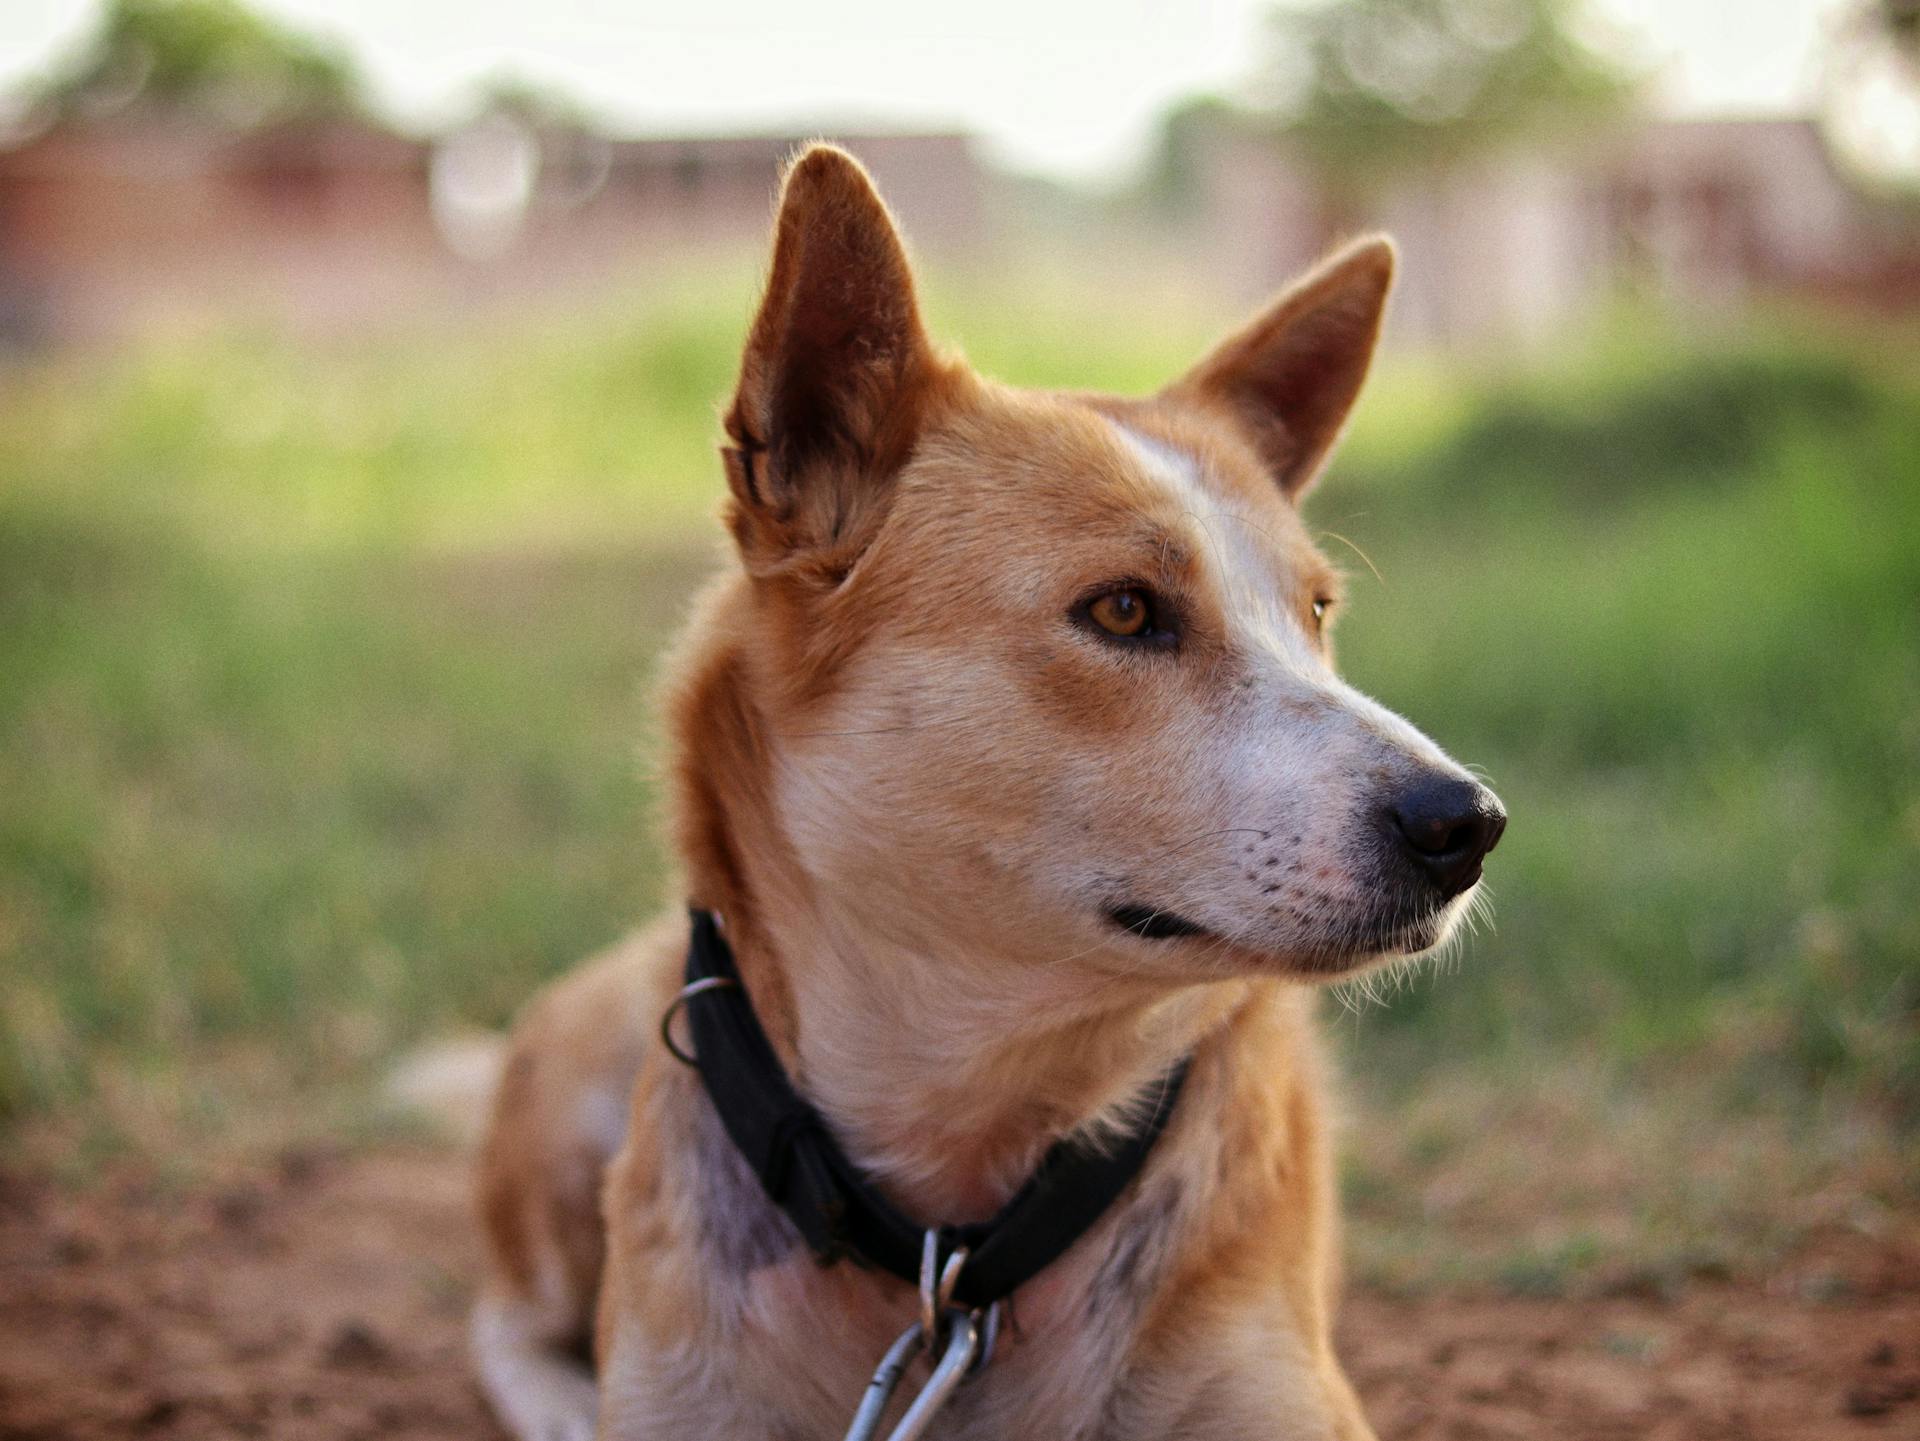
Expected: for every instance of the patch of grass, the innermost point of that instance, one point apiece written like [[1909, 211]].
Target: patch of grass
[[540, 437], [324, 800]]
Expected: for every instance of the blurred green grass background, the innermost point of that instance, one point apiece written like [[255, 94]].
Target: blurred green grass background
[[323, 729]]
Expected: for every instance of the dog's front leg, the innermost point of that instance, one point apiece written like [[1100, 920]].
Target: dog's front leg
[[1259, 1415], [1343, 1406], [678, 1356], [1324, 1409], [1244, 1387], [689, 1382], [648, 1395]]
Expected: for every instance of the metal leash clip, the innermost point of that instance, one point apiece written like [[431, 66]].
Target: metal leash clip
[[964, 1339]]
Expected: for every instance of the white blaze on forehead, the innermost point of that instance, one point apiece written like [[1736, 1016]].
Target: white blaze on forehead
[[1167, 462], [1249, 591], [1255, 608]]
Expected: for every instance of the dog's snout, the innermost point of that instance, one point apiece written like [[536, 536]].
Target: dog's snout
[[1447, 825]]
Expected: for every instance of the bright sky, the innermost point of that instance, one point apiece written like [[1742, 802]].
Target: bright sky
[[1068, 87]]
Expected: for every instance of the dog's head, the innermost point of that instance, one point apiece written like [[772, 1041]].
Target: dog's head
[[1049, 674]]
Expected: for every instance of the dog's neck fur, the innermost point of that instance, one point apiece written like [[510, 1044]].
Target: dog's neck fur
[[951, 1077], [946, 1065]]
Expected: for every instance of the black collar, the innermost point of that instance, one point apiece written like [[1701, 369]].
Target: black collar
[[835, 1207]]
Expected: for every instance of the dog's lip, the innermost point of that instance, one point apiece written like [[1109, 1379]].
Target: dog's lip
[[1154, 923], [1359, 948], [1360, 945]]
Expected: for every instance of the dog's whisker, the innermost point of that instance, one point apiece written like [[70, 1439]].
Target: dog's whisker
[[905, 727], [1365, 559]]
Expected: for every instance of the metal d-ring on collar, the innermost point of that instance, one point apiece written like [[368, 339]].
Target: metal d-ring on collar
[[681, 997]]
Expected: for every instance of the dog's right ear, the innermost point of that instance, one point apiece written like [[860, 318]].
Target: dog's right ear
[[1292, 375], [826, 409]]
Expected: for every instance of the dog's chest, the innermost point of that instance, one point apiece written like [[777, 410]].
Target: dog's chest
[[798, 1363], [779, 1346]]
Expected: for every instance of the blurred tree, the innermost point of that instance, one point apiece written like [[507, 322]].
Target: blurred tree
[[532, 102], [1370, 87], [1183, 133], [1900, 19], [1870, 100], [1365, 90], [210, 58]]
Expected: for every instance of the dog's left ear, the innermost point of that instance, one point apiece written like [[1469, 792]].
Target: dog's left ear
[[826, 408], [1292, 375]]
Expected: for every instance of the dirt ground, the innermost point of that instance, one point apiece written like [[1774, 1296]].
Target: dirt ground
[[324, 1298]]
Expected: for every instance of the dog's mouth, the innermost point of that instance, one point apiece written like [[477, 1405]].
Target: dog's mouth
[[1154, 924], [1346, 948]]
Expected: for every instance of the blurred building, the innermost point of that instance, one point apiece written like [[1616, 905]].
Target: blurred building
[[131, 224], [119, 227], [1693, 213], [114, 228]]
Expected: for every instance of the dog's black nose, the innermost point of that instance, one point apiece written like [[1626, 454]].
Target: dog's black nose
[[1447, 825]]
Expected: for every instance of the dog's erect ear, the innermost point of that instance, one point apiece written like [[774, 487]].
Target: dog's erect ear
[[1292, 375], [826, 410]]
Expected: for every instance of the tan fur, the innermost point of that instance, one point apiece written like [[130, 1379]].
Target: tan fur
[[908, 784]]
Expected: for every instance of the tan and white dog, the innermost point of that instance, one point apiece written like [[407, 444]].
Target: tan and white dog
[[1013, 756]]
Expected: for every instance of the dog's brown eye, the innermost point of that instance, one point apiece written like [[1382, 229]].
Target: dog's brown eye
[[1321, 605], [1125, 613]]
